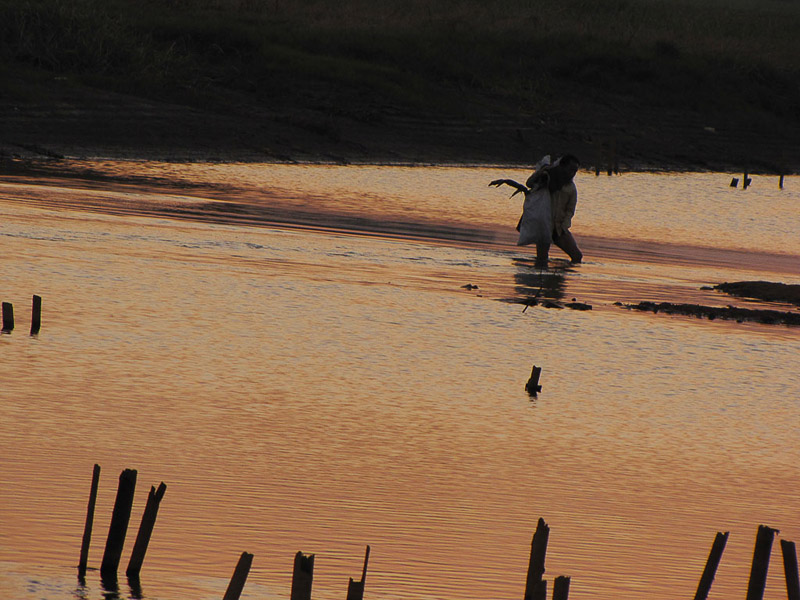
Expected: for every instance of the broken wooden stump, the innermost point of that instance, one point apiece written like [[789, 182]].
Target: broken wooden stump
[[561, 588], [711, 566], [735, 182], [355, 589], [239, 577], [302, 576], [790, 570], [119, 524], [36, 314], [536, 564], [533, 387], [145, 530], [8, 317], [758, 571], [87, 528]]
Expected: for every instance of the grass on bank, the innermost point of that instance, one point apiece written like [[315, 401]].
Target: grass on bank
[[720, 55]]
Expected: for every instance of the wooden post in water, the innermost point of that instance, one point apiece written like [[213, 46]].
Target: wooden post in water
[[87, 528], [536, 564], [758, 571], [533, 387], [746, 181], [36, 315], [711, 566], [561, 588], [790, 570], [145, 530], [302, 576], [119, 524], [239, 577], [8, 317], [780, 182], [355, 589]]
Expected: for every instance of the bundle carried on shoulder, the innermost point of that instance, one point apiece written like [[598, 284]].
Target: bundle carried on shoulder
[[535, 226]]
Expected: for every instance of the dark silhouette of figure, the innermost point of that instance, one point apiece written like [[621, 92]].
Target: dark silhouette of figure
[[558, 178]]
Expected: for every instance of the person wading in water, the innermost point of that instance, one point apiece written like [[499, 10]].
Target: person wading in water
[[536, 221]]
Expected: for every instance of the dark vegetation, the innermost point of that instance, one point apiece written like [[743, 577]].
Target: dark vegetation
[[763, 290], [755, 290], [697, 83]]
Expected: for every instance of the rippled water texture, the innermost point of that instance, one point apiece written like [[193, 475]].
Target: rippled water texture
[[290, 349]]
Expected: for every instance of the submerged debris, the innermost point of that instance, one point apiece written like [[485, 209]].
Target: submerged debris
[[733, 313]]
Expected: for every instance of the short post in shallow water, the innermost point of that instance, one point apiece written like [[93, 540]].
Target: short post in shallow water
[[533, 387], [561, 588], [355, 589], [780, 182], [758, 572], [8, 317], [145, 530], [711, 566], [87, 529], [36, 315], [239, 577], [302, 577], [790, 570], [535, 583], [120, 518]]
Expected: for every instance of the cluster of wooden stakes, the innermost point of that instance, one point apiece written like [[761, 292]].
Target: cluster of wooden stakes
[[535, 585], [36, 316]]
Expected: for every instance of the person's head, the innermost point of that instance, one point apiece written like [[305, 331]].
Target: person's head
[[569, 164]]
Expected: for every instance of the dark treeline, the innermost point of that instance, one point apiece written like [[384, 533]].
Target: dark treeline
[[720, 57]]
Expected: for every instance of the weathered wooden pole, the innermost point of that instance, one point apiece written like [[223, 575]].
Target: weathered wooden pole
[[780, 182], [302, 576], [746, 181], [790, 570], [711, 566], [533, 387], [239, 577], [355, 589], [758, 571], [8, 316], [536, 565], [87, 528], [561, 588], [119, 524], [145, 530], [36, 314]]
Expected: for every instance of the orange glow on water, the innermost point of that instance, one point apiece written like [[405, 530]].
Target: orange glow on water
[[299, 388]]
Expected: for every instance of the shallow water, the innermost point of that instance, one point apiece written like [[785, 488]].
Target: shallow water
[[290, 349]]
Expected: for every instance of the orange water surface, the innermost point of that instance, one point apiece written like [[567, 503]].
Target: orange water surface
[[292, 350]]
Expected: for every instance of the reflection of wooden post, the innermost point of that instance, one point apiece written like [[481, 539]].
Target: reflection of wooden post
[[119, 523], [8, 316], [145, 530], [536, 565], [758, 572], [36, 315], [239, 578], [711, 566], [87, 529], [561, 588], [355, 589], [790, 570], [302, 576]]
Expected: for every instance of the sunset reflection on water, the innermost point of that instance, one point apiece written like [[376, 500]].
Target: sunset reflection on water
[[299, 388]]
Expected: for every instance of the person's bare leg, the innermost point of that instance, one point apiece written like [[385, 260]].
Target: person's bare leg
[[568, 244]]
